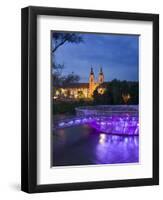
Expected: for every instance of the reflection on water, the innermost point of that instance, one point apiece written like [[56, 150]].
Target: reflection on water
[[116, 149], [84, 145]]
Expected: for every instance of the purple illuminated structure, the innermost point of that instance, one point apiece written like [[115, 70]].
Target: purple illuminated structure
[[118, 119]]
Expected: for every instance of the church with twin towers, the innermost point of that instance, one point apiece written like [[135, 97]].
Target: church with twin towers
[[83, 90]]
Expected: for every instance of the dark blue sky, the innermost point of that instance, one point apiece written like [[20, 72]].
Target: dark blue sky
[[116, 54]]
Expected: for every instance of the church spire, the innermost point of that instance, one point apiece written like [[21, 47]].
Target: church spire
[[101, 70], [91, 71], [101, 76], [91, 82]]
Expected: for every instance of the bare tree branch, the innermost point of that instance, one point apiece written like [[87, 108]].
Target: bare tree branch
[[60, 44], [65, 37]]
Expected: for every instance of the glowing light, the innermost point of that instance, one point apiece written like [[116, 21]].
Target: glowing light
[[70, 122], [116, 149], [112, 120], [102, 138], [77, 121], [84, 120], [126, 140], [61, 124]]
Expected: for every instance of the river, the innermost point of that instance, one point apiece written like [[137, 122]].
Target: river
[[83, 145]]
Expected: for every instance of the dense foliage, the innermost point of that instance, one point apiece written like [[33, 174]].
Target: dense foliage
[[69, 106], [118, 92]]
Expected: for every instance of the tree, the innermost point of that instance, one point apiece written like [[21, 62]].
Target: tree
[[70, 79], [118, 92], [114, 92], [134, 93], [57, 74], [59, 39], [98, 98]]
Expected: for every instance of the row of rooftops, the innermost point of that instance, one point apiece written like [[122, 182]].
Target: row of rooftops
[[81, 85]]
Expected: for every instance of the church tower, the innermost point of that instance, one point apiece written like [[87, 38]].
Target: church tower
[[91, 82], [101, 76]]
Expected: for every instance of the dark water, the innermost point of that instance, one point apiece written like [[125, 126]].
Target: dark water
[[83, 145]]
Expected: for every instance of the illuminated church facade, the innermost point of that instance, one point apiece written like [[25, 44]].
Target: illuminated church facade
[[82, 90]]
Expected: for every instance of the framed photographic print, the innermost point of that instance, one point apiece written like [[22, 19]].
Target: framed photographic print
[[90, 99]]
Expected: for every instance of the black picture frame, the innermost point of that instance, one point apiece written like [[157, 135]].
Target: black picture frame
[[29, 99]]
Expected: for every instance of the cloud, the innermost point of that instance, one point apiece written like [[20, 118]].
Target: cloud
[[117, 54]]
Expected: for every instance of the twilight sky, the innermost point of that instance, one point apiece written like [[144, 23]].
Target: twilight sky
[[116, 54]]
